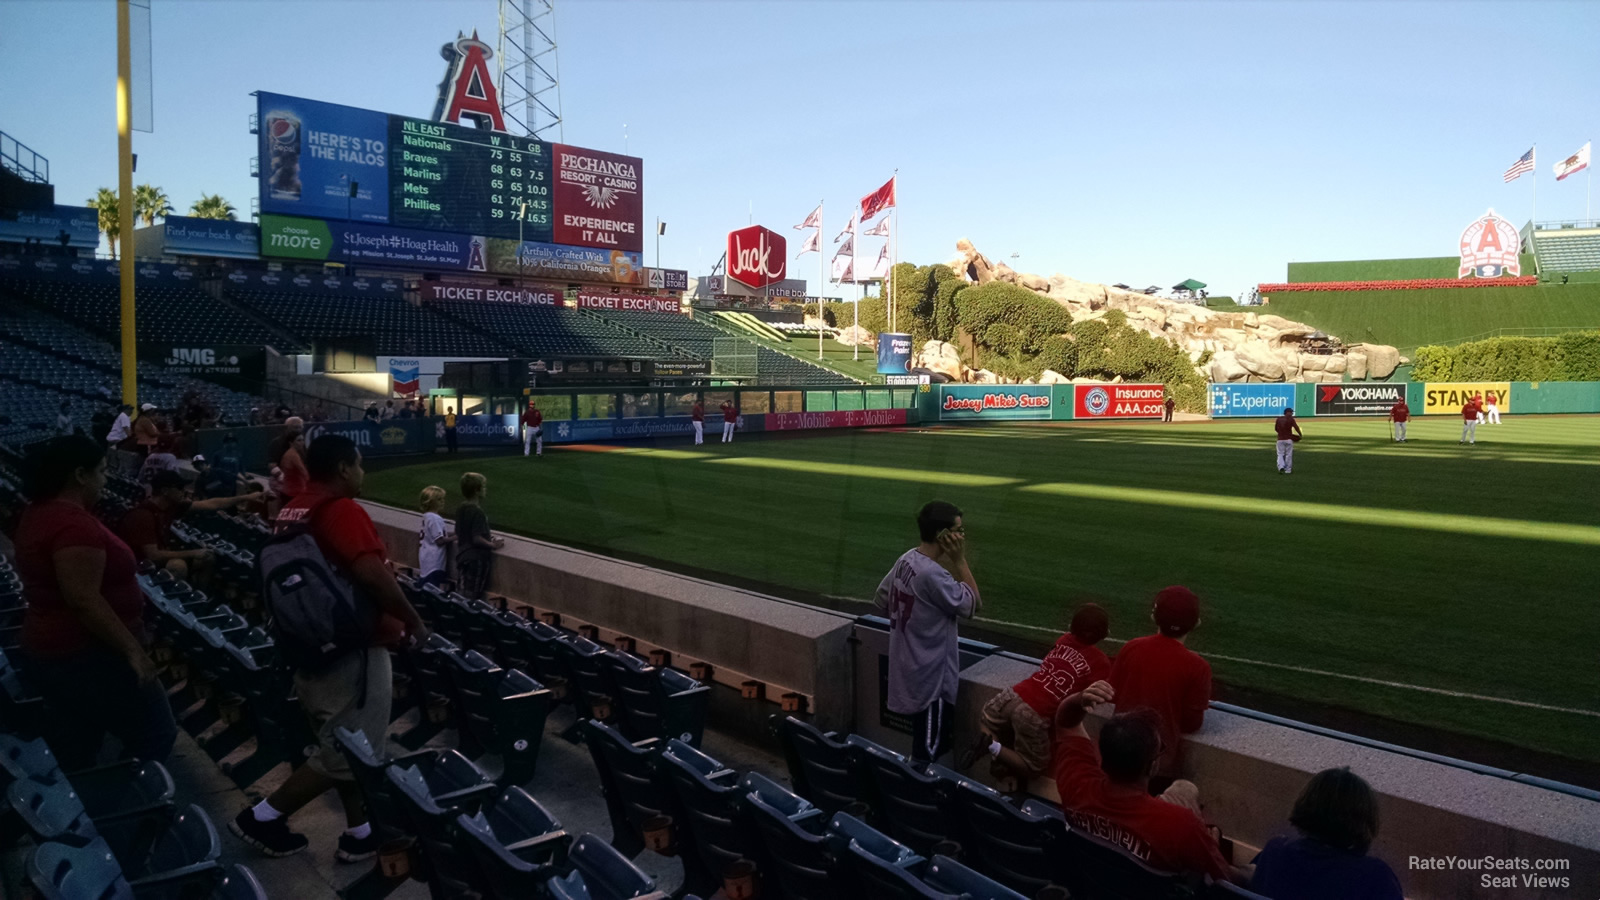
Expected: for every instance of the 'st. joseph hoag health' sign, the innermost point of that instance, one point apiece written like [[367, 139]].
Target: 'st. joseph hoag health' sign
[[1358, 399], [757, 256], [968, 402], [1118, 401]]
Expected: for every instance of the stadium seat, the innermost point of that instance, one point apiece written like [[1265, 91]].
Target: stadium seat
[[502, 712], [147, 846], [870, 877], [119, 789], [1097, 868], [632, 793], [945, 874], [599, 872], [451, 869], [657, 702], [918, 807], [63, 872], [591, 687], [505, 875], [1018, 847], [451, 779], [20, 708], [712, 804], [831, 774], [799, 863], [524, 827]]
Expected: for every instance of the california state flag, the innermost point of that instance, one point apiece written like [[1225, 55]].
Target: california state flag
[[1577, 162]]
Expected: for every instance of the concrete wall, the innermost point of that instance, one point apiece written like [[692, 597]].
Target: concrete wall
[[789, 647]]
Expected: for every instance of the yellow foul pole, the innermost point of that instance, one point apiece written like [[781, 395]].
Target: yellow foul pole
[[125, 223]]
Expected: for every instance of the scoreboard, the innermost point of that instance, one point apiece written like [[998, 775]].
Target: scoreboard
[[445, 177], [339, 163]]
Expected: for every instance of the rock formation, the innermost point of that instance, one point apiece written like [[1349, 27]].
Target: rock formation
[[1244, 346]]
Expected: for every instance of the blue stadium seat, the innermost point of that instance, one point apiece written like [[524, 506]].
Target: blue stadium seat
[[1018, 847], [450, 777], [945, 874], [451, 869], [502, 712], [829, 773], [63, 872], [657, 702], [918, 807], [601, 873], [711, 801], [1097, 868], [799, 864], [120, 789], [870, 877], [632, 792], [1223, 890], [525, 828], [506, 876], [591, 688]]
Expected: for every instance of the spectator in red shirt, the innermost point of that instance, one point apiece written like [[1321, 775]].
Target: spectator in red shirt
[[1106, 793], [83, 629], [1160, 673], [1469, 422], [354, 691], [147, 528], [1016, 721], [698, 417], [532, 428], [730, 416], [1399, 414]]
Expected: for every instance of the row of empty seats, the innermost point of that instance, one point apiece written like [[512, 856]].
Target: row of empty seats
[[1569, 250], [390, 325], [699, 339], [548, 330], [166, 314]]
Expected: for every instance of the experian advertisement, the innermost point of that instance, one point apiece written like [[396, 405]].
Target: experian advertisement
[[311, 153], [1238, 400], [968, 402]]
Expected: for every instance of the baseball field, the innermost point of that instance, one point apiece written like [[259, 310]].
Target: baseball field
[[1454, 587]]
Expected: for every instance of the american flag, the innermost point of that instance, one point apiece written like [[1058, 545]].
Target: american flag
[[1521, 167]]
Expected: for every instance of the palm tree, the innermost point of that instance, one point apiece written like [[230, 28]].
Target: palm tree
[[105, 203], [212, 206], [150, 203]]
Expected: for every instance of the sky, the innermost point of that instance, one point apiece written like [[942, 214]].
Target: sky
[[1142, 143]]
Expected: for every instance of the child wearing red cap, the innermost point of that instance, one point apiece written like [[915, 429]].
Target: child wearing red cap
[[1016, 721], [1160, 673]]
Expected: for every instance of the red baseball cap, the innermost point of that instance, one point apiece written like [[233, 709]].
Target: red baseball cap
[[1090, 624], [1177, 610]]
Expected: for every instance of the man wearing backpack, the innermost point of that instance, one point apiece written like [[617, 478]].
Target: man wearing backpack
[[342, 676]]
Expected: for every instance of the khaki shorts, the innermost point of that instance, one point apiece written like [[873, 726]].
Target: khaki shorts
[[329, 699], [1005, 715]]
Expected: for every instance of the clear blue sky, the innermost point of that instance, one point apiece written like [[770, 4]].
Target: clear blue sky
[[1137, 142]]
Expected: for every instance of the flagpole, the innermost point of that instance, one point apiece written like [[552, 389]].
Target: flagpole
[[821, 262], [1535, 190]]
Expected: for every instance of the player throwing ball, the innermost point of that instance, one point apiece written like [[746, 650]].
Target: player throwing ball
[[1288, 432]]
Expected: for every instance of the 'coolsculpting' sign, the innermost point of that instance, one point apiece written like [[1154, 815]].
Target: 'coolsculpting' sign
[[1235, 400]]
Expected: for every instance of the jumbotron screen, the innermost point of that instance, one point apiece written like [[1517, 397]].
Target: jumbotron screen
[[327, 161]]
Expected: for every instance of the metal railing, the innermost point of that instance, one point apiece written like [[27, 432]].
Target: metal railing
[[1558, 224], [20, 159]]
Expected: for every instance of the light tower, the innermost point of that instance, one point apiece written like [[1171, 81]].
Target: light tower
[[529, 72]]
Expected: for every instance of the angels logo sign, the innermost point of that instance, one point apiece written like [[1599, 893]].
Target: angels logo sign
[[467, 91], [1490, 247]]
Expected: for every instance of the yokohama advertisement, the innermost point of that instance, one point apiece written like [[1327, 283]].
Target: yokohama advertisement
[[1358, 399], [628, 303], [599, 199], [848, 418], [1117, 401]]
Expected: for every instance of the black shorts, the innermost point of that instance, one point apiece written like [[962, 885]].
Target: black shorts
[[932, 730]]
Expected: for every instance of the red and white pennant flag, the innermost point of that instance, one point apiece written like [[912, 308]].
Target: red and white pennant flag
[[812, 221], [879, 200], [879, 230], [813, 244]]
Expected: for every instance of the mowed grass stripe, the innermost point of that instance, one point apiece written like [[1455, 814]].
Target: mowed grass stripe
[[887, 473], [1330, 512]]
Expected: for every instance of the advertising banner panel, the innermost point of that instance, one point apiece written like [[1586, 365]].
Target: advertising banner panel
[[894, 354], [522, 295], [393, 437], [628, 302], [80, 224], [1449, 397], [483, 430], [565, 263], [1356, 399], [1118, 401], [968, 402], [357, 242], [189, 236], [1235, 400], [852, 418], [599, 199], [310, 153], [666, 279], [224, 360]]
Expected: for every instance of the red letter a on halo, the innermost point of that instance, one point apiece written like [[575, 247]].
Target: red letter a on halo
[[468, 90]]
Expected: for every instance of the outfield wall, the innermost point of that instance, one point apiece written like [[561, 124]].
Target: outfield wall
[[1374, 398], [1250, 768]]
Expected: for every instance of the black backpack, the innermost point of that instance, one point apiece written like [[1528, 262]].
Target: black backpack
[[314, 613]]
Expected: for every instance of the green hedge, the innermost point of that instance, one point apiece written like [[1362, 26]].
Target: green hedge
[[1574, 356]]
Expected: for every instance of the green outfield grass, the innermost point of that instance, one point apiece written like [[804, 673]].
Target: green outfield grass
[[1409, 319], [1462, 569]]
